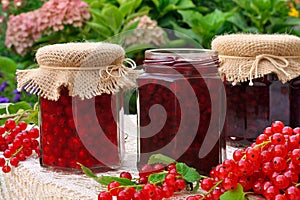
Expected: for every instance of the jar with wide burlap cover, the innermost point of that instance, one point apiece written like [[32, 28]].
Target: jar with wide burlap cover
[[81, 112], [258, 69]]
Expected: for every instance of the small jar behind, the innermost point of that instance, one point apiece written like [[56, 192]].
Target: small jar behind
[[180, 106], [258, 69], [81, 113]]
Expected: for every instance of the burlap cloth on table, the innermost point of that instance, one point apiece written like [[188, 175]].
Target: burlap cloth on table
[[86, 69], [244, 57]]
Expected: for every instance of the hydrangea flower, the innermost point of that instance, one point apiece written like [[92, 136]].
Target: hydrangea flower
[[24, 29]]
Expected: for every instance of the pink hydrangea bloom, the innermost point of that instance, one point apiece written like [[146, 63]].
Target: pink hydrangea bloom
[[24, 29]]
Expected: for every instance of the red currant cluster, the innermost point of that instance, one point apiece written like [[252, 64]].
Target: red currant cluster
[[269, 167], [144, 189], [16, 143]]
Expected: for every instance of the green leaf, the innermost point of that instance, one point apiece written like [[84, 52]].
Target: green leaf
[[159, 158], [157, 178], [102, 30], [113, 17], [7, 65], [105, 180], [33, 117], [237, 194], [87, 171], [188, 173], [14, 108]]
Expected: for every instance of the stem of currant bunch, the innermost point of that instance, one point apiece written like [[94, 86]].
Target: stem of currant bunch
[[16, 153]]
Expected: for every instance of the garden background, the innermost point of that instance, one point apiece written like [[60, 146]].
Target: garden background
[[26, 25]]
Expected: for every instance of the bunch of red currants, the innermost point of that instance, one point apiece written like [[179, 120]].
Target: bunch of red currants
[[17, 143]]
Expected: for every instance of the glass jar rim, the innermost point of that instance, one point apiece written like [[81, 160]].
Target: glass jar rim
[[194, 54]]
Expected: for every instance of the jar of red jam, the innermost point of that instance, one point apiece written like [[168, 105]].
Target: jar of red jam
[[81, 112], [258, 70], [181, 101]]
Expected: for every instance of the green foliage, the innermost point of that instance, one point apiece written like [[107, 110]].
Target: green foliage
[[237, 194], [263, 16], [109, 19], [18, 111], [160, 158], [205, 26]]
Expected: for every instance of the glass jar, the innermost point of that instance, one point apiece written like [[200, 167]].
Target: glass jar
[[250, 109], [295, 102], [181, 107], [81, 131]]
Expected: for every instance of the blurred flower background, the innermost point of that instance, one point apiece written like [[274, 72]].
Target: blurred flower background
[[26, 25]]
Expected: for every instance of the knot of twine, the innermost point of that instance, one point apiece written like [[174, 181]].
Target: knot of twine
[[279, 62], [108, 69]]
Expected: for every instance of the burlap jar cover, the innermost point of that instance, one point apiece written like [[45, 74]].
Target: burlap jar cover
[[86, 69], [244, 57]]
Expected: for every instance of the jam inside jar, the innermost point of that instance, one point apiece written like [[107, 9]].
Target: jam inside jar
[[81, 131], [181, 107], [250, 109]]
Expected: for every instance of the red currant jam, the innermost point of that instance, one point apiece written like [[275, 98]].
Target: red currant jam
[[180, 107], [252, 108], [80, 131]]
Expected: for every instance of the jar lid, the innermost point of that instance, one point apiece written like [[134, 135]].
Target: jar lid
[[86, 69], [247, 56]]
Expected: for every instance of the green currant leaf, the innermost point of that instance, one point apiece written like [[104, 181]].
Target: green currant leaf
[[105, 180], [189, 174], [14, 108], [157, 178], [237, 194], [159, 158]]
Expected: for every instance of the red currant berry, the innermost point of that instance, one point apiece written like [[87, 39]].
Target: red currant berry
[[14, 161], [2, 130], [180, 185], [2, 162], [252, 153], [277, 126], [281, 181], [258, 187], [229, 184], [279, 164], [261, 138], [295, 156], [292, 193], [149, 190], [171, 166], [268, 131], [33, 133], [280, 197], [22, 125], [271, 192], [139, 196], [167, 191], [104, 196], [207, 184], [238, 154], [113, 188], [124, 195], [287, 130], [10, 124], [7, 153], [170, 179], [126, 175], [6, 169], [277, 138]]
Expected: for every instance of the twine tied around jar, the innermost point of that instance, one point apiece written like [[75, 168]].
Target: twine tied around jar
[[86, 69], [278, 62]]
